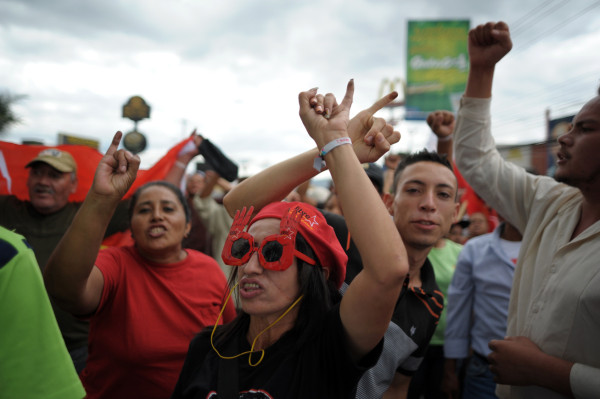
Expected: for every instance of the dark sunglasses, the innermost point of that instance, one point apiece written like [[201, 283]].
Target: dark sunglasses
[[275, 252]]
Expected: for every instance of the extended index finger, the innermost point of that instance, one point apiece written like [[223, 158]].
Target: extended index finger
[[348, 97], [382, 102], [115, 143]]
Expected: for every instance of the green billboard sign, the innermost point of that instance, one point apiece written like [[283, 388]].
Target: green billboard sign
[[437, 66]]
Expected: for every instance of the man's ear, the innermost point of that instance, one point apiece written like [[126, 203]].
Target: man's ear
[[388, 200], [455, 218]]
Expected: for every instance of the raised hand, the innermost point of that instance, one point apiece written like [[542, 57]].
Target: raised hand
[[488, 44], [441, 123], [372, 137], [332, 122], [116, 171]]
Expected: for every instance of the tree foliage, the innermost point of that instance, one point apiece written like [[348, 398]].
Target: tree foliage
[[7, 115]]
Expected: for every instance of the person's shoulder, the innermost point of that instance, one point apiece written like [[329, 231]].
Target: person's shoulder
[[337, 222], [114, 249], [201, 340], [14, 246], [118, 255], [333, 217], [198, 256], [11, 244], [454, 246], [9, 198], [202, 263], [8, 202], [478, 241], [9, 235]]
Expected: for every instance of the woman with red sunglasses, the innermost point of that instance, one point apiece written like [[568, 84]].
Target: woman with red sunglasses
[[294, 336]]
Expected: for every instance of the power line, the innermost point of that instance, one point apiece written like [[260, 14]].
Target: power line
[[536, 12], [558, 26]]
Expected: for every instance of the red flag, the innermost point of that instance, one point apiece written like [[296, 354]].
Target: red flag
[[474, 201], [14, 157], [13, 174]]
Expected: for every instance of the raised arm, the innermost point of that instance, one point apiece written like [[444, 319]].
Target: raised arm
[[475, 151], [487, 45], [70, 275], [369, 301], [371, 138], [189, 152], [442, 125]]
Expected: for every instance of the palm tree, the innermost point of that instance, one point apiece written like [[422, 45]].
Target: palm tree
[[7, 116]]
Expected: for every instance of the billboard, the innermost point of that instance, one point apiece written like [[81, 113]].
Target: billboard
[[437, 66], [64, 138]]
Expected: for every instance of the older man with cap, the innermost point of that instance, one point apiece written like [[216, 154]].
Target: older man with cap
[[52, 178], [44, 219]]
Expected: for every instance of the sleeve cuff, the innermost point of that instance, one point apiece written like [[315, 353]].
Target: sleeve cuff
[[475, 108], [585, 381]]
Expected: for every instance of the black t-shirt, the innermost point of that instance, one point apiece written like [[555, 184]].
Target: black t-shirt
[[417, 310], [413, 323], [322, 368]]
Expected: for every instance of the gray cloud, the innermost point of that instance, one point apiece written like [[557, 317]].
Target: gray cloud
[[233, 68]]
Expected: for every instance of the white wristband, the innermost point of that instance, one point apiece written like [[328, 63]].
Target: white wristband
[[319, 162], [180, 164], [444, 139]]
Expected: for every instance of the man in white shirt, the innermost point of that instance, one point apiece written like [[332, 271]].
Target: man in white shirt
[[552, 349]]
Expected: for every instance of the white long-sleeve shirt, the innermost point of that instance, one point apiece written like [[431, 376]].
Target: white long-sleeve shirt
[[555, 300]]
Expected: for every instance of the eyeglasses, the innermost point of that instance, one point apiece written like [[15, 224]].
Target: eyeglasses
[[275, 252]]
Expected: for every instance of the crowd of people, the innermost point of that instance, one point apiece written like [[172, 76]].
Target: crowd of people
[[386, 287]]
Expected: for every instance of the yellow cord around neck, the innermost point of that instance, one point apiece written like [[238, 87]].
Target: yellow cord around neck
[[251, 351]]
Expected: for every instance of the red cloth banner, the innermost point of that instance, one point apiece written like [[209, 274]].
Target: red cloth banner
[[14, 157], [474, 201], [14, 174]]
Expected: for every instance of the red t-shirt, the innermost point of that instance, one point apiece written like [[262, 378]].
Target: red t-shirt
[[148, 314]]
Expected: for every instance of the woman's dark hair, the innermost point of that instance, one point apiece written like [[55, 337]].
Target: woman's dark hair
[[319, 295], [136, 196]]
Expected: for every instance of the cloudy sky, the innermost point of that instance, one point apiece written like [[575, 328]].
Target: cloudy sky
[[233, 68]]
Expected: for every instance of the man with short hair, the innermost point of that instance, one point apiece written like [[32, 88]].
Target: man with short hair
[[423, 203], [552, 348]]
